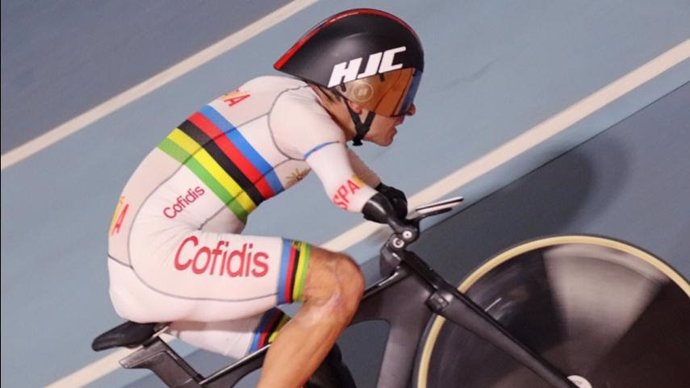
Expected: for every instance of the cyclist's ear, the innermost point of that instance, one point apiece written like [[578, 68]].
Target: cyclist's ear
[[355, 107]]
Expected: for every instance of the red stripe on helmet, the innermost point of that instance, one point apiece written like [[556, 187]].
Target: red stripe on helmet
[[357, 11]]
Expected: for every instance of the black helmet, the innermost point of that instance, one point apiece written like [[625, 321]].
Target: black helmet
[[369, 56]]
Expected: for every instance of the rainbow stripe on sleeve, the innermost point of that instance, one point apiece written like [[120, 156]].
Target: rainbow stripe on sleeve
[[211, 147], [293, 271], [272, 321]]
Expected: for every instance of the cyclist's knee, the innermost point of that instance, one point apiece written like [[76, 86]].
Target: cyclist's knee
[[350, 279], [334, 282]]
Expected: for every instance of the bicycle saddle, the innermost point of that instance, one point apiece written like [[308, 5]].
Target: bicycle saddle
[[129, 334]]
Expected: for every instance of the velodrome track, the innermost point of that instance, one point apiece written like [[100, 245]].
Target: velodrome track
[[508, 88]]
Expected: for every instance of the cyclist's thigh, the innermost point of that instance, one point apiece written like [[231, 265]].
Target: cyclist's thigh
[[200, 276], [232, 338]]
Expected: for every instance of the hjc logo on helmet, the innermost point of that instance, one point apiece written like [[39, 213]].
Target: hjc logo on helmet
[[377, 63]]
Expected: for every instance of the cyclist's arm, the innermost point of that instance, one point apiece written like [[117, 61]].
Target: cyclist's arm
[[303, 130], [396, 197], [362, 170], [345, 188]]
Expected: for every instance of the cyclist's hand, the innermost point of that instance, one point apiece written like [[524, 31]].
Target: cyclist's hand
[[379, 209], [396, 197]]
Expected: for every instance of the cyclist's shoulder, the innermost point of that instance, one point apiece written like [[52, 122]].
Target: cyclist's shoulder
[[272, 94], [273, 82], [278, 88]]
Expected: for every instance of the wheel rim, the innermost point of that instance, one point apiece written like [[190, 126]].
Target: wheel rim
[[595, 307]]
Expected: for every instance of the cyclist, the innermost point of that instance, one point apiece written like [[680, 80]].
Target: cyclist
[[176, 252]]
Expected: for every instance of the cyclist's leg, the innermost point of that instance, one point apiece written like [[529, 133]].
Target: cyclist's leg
[[233, 338], [333, 289], [211, 277], [240, 337]]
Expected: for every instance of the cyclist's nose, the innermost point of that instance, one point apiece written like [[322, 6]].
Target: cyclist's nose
[[412, 110]]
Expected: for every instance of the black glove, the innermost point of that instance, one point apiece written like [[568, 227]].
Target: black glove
[[396, 198]]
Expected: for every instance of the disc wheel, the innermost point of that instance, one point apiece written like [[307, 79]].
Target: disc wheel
[[604, 312]]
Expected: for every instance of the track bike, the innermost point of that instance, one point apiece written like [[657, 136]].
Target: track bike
[[563, 311]]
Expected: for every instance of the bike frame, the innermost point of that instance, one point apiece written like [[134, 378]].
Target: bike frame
[[406, 298]]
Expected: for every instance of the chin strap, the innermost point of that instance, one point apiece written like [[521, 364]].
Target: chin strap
[[360, 127]]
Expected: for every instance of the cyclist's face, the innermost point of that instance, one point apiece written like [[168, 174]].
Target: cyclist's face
[[383, 129]]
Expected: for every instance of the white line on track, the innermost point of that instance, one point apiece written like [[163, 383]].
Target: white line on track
[[504, 153], [157, 81]]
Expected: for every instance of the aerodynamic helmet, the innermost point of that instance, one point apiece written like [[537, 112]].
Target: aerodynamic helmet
[[368, 56]]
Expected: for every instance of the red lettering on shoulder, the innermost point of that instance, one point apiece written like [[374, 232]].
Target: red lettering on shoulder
[[119, 216], [235, 97]]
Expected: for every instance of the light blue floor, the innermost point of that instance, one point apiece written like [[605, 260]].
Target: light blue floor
[[494, 71]]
